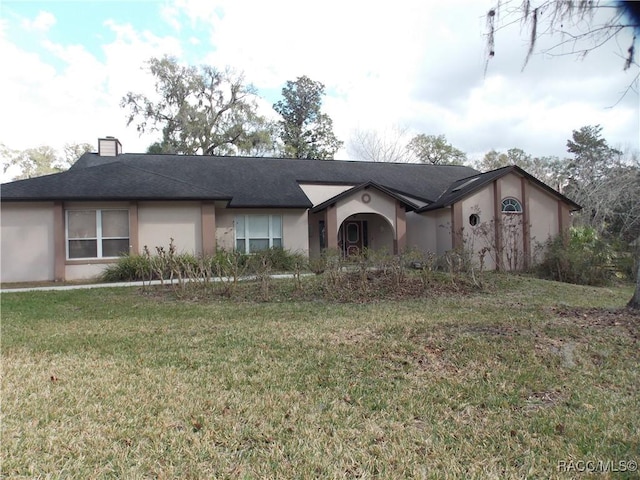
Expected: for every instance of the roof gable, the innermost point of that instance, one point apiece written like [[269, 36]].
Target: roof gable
[[410, 206], [466, 186]]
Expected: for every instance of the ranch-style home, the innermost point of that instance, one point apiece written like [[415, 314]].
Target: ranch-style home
[[69, 225]]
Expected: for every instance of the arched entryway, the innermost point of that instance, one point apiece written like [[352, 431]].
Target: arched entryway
[[366, 231], [366, 216]]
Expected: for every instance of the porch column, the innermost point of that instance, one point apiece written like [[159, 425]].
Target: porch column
[[526, 227], [564, 218], [456, 226], [59, 250], [400, 242], [497, 221], [331, 223], [208, 226]]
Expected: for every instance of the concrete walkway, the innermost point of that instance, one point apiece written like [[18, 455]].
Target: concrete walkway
[[136, 284]]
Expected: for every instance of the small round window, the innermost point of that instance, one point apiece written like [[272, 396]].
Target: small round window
[[474, 219], [511, 205]]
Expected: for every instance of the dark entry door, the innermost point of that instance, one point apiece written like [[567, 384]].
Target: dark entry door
[[354, 237]]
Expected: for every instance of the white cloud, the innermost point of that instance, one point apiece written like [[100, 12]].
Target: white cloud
[[169, 14], [42, 23], [80, 101], [414, 63]]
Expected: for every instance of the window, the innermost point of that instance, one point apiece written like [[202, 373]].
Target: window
[[474, 219], [511, 205], [258, 232], [322, 231], [97, 233]]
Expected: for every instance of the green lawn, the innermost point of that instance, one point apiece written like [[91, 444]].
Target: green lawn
[[114, 383]]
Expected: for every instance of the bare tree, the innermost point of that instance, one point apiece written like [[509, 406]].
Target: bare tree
[[388, 145], [546, 169], [579, 26]]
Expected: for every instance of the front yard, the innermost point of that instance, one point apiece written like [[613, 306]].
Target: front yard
[[525, 381]]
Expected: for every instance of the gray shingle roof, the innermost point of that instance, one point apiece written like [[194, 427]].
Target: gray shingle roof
[[245, 181]]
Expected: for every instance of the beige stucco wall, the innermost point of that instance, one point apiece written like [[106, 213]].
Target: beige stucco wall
[[85, 271], [320, 193], [480, 203], [483, 235], [158, 222], [513, 225], [380, 204], [26, 242], [480, 236], [421, 232], [543, 211], [510, 186], [543, 221], [441, 220], [295, 233]]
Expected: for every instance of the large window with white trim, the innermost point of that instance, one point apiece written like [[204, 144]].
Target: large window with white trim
[[258, 232], [97, 233]]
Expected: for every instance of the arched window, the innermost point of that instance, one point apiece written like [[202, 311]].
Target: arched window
[[511, 205]]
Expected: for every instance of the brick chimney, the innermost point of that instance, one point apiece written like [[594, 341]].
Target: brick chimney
[[109, 147]]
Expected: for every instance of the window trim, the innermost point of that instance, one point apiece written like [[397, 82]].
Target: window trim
[[98, 238], [512, 202], [247, 233]]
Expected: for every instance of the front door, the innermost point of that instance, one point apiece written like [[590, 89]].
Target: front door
[[353, 236]]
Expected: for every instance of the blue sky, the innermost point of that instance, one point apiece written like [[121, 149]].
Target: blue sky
[[84, 23], [414, 65]]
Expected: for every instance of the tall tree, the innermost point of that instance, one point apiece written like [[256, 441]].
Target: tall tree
[[200, 110], [42, 160], [593, 158], [588, 175], [607, 186], [305, 131], [379, 146], [543, 168], [435, 150]]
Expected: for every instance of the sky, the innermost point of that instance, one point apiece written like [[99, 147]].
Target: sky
[[416, 65]]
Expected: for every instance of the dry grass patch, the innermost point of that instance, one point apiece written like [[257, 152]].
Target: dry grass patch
[[115, 384]]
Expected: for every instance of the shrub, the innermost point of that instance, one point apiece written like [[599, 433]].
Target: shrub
[[579, 256], [128, 269], [279, 259]]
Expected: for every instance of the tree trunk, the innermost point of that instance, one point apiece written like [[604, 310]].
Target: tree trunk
[[634, 303]]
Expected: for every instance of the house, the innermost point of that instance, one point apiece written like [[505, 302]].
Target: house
[[69, 225]]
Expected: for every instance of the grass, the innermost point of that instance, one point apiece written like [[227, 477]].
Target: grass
[[116, 383]]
